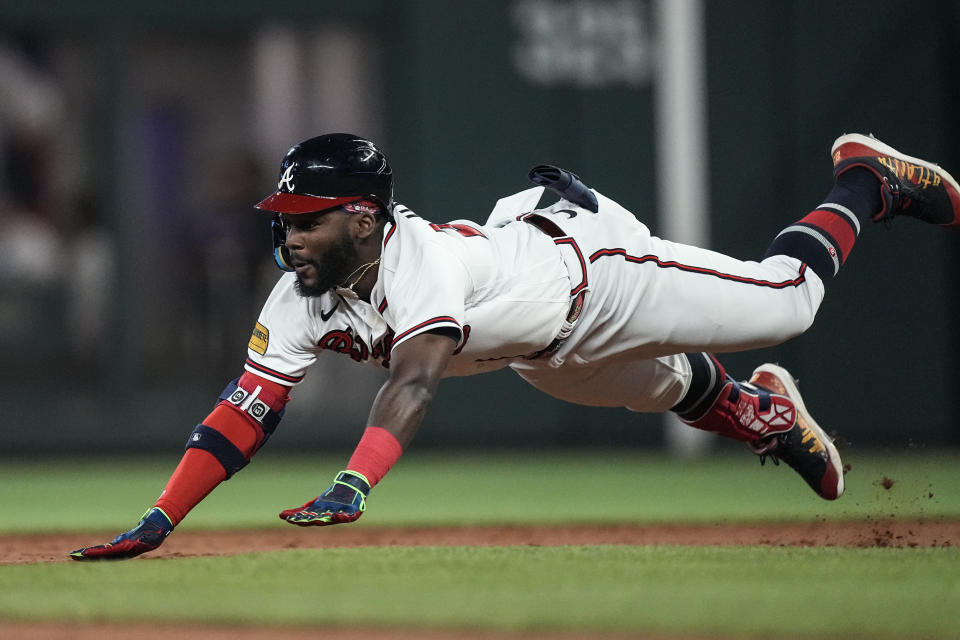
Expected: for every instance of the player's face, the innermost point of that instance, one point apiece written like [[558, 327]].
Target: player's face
[[322, 250]]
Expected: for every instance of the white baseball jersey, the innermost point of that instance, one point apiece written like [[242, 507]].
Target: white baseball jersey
[[505, 291], [506, 287]]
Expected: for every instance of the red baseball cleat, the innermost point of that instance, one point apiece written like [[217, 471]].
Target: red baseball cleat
[[805, 447], [909, 186]]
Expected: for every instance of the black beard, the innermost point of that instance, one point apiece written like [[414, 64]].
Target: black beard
[[338, 263]]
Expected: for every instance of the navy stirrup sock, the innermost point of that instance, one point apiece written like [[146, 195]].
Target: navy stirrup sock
[[708, 379], [825, 237], [858, 189]]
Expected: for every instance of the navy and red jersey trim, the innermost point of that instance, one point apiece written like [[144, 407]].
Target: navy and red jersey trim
[[426, 323], [463, 341], [550, 228], [382, 307], [583, 265], [464, 230], [669, 264], [273, 372], [389, 235]]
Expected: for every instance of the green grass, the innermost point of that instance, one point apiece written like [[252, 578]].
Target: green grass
[[103, 495], [769, 592], [705, 591]]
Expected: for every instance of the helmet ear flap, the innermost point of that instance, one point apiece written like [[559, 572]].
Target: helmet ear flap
[[281, 255]]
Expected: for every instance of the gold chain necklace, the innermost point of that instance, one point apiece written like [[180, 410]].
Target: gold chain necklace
[[363, 271]]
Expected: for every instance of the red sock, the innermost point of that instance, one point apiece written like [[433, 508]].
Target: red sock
[[824, 238]]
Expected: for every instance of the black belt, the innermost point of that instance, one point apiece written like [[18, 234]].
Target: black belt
[[550, 228]]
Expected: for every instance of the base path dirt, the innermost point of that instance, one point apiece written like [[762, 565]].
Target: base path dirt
[[83, 631], [19, 549]]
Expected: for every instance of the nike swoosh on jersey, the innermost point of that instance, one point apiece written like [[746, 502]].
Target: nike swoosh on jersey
[[326, 316]]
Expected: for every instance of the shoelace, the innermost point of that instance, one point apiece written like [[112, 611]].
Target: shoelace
[[773, 458], [764, 450]]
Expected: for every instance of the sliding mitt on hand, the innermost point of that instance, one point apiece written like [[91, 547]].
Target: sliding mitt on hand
[[343, 501], [153, 529]]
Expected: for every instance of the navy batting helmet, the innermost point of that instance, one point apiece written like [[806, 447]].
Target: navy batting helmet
[[330, 171]]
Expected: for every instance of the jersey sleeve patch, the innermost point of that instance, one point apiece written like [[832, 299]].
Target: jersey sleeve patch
[[260, 339]]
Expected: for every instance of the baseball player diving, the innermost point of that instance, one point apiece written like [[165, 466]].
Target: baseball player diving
[[576, 297]]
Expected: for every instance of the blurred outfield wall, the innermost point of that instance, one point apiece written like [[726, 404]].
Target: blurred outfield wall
[[167, 126]]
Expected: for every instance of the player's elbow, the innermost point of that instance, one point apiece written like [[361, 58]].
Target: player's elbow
[[411, 393], [401, 407], [417, 394]]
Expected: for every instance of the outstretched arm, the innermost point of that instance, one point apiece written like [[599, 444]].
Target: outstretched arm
[[245, 415], [416, 367], [415, 370]]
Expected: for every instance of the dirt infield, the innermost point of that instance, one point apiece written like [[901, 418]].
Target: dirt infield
[[54, 631], [19, 549]]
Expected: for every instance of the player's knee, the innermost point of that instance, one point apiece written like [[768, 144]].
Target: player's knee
[[796, 326], [792, 310], [803, 319], [793, 323]]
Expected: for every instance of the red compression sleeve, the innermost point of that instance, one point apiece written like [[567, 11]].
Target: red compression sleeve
[[280, 394], [195, 477], [376, 452], [199, 472]]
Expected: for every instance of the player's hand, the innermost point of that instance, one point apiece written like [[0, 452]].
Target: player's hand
[[146, 536], [343, 501]]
